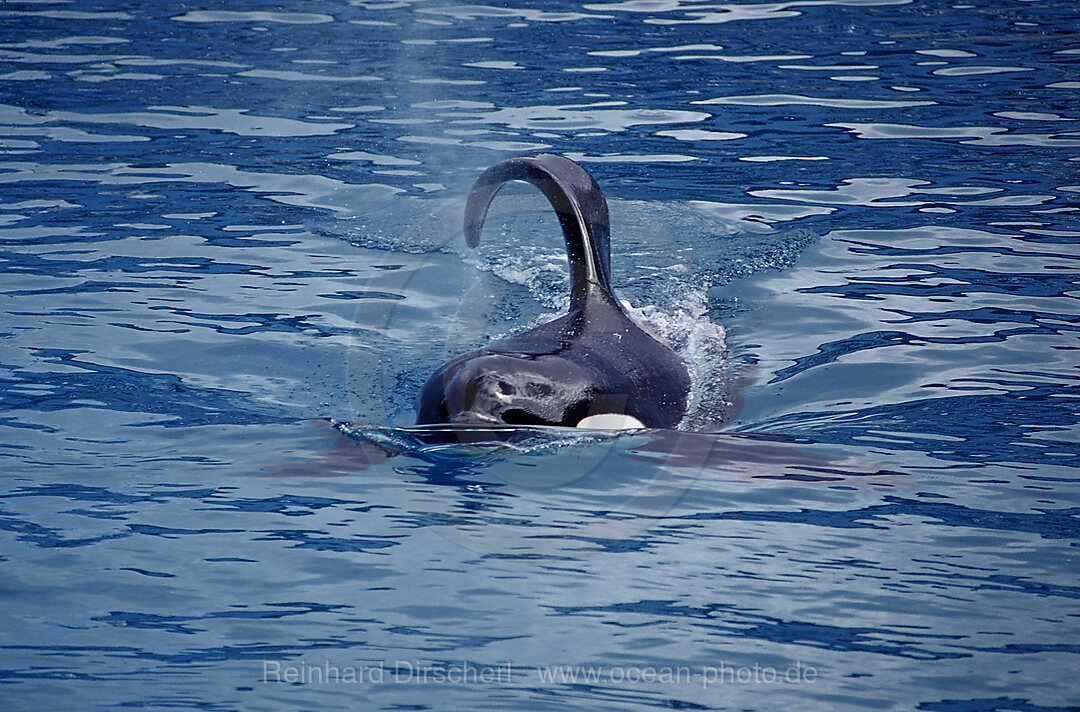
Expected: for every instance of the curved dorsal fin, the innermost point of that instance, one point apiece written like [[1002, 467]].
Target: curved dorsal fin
[[579, 203]]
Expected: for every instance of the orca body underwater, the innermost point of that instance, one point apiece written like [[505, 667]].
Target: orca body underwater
[[594, 366]]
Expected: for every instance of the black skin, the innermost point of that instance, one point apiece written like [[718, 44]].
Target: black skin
[[593, 360]]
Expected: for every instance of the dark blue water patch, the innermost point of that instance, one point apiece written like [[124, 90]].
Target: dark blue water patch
[[1002, 582], [992, 704], [147, 572], [87, 493], [948, 575], [259, 323], [248, 242], [182, 624], [51, 266], [97, 386], [90, 286], [971, 281], [180, 702], [176, 532], [10, 676], [860, 247], [12, 422], [289, 505], [420, 520], [437, 641], [318, 540], [363, 294], [1047, 524], [834, 350], [614, 546], [823, 476], [1039, 322], [50, 537], [605, 694], [458, 471], [729, 621], [1028, 648], [118, 515], [1050, 239], [147, 329], [982, 427], [247, 651], [78, 312]]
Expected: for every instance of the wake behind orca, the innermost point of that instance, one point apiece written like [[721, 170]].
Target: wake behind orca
[[592, 367]]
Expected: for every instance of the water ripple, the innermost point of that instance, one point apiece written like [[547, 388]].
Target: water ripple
[[727, 621], [289, 18], [223, 231]]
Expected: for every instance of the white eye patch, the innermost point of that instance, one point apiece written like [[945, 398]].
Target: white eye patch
[[610, 421]]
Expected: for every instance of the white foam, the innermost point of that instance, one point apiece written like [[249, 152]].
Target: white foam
[[702, 345]]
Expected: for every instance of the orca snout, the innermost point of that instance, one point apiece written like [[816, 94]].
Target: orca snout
[[472, 417]]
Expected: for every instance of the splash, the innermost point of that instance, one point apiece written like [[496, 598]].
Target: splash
[[702, 344], [478, 442], [676, 316]]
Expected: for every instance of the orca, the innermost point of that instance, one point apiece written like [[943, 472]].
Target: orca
[[593, 367]]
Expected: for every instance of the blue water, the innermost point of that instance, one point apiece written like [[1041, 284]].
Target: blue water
[[231, 252]]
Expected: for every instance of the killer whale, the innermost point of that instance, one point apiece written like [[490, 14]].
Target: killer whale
[[593, 366]]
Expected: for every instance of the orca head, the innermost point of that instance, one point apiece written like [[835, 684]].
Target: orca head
[[502, 389]]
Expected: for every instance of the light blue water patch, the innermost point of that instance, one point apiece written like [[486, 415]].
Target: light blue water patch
[[231, 253]]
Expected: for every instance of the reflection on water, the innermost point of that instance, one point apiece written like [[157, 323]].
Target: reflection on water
[[220, 228]]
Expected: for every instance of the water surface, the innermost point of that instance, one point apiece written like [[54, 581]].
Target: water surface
[[231, 253]]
